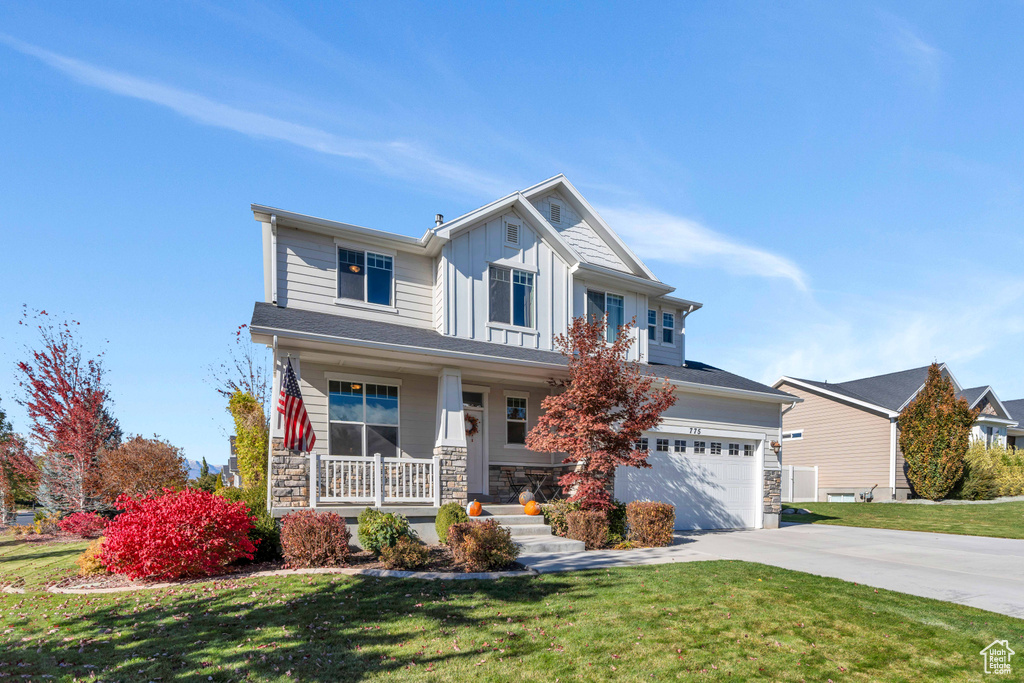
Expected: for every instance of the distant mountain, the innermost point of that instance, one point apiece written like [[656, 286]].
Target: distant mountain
[[195, 466]]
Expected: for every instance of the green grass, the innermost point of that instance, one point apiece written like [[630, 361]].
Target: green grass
[[34, 565], [691, 621], [1001, 520]]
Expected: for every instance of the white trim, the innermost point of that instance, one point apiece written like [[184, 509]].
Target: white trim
[[364, 306], [516, 394], [893, 442], [518, 223], [996, 420], [355, 246], [512, 297], [336, 228], [365, 379], [477, 388], [512, 328], [512, 263], [841, 397], [366, 251], [525, 396], [787, 435]]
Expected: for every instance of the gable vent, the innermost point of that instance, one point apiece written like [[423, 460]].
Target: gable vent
[[512, 233], [555, 212]]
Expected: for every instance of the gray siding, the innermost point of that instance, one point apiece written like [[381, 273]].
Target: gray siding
[[498, 451], [579, 234], [725, 411], [307, 278]]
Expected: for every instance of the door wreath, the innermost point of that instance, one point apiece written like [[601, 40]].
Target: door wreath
[[472, 425]]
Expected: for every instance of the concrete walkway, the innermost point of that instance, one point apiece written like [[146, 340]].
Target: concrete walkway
[[987, 573]]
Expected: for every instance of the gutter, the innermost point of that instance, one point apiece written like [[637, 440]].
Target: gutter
[[273, 260]]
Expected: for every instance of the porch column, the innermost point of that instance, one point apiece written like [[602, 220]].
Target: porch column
[[450, 446]]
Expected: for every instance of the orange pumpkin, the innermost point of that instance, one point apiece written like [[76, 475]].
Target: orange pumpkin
[[532, 508], [474, 509]]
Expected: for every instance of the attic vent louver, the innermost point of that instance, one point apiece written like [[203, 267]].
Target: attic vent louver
[[556, 213], [512, 233]]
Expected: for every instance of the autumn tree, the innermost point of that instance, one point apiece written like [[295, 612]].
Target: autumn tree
[[599, 412], [138, 466], [67, 403], [18, 473], [935, 431], [251, 438], [246, 370]]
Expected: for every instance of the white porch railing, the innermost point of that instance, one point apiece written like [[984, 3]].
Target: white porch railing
[[376, 480]]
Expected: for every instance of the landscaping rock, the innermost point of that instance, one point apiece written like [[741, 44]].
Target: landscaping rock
[[803, 511], [789, 511]]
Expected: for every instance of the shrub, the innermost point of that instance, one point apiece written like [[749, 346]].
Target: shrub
[[616, 522], [138, 466], [405, 554], [90, 561], [315, 539], [589, 526], [265, 532], [554, 515], [251, 434], [176, 534], [650, 524], [46, 523], [382, 530], [482, 546], [1009, 464], [448, 514], [84, 524], [980, 480]]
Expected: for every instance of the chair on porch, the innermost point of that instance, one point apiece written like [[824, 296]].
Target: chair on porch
[[516, 487]]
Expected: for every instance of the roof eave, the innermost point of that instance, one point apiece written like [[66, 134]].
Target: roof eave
[[338, 229], [836, 395]]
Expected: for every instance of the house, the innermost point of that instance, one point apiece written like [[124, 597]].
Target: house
[[229, 474], [849, 430], [1015, 435], [423, 363]]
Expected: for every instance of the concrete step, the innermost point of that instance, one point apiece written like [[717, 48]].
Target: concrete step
[[548, 544], [515, 520], [510, 509], [529, 530]]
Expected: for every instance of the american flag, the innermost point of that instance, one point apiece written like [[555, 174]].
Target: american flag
[[298, 430]]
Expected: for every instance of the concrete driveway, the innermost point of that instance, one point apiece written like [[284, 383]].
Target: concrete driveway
[[987, 573]]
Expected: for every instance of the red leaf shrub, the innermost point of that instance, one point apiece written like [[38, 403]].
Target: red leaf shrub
[[650, 524], [312, 539], [84, 524], [482, 546], [589, 526], [176, 534]]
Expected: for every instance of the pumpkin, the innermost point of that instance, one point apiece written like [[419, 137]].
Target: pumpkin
[[525, 497], [532, 508], [474, 509]]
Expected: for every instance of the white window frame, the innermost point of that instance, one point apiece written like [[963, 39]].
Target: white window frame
[[364, 304], [525, 396], [652, 330], [606, 293], [643, 444], [734, 447], [658, 442], [793, 435], [511, 297], [715, 446], [671, 328], [848, 497], [679, 446], [700, 447], [364, 380], [748, 450]]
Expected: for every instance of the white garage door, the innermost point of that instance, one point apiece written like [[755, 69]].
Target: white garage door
[[713, 482]]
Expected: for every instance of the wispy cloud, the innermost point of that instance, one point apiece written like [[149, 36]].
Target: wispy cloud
[[925, 59], [393, 157], [660, 236]]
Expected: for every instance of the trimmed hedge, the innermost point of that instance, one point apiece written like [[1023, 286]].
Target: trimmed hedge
[[555, 515], [405, 554], [482, 546], [589, 526], [379, 530], [315, 539], [650, 523], [448, 514]]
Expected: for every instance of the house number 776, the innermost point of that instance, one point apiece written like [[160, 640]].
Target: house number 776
[[695, 430]]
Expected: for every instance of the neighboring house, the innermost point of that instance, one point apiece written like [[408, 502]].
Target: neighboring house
[[849, 430], [229, 474], [404, 344], [1015, 435]]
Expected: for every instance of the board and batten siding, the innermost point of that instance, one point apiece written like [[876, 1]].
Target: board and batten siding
[[849, 444], [633, 303], [307, 271], [465, 261]]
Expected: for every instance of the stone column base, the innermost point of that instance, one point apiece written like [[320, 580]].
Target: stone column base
[[454, 481], [289, 477], [772, 499]]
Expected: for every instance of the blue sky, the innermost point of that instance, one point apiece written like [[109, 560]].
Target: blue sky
[[841, 184]]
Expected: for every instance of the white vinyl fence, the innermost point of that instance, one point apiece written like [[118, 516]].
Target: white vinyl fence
[[799, 484], [375, 481]]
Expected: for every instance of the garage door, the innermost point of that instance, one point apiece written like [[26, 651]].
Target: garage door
[[713, 482]]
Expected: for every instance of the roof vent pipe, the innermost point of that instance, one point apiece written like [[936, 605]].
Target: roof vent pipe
[[438, 220]]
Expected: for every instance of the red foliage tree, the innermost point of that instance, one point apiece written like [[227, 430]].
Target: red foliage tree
[[604, 405], [19, 475], [66, 401]]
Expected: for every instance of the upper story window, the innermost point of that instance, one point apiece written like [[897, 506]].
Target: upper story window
[[365, 276], [668, 326], [515, 420], [363, 419], [600, 304], [652, 325], [510, 296]]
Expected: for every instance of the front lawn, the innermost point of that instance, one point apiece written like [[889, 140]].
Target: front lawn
[[34, 564], [700, 620], [1001, 520]]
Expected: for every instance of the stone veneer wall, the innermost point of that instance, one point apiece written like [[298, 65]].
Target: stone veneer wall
[[501, 488], [454, 482], [772, 497], [289, 477]]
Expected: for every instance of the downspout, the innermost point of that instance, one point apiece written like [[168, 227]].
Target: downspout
[[270, 430], [273, 267]]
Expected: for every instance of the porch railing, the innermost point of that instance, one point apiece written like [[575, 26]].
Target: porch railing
[[375, 481]]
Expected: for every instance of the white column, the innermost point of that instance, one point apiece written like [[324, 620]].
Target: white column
[[451, 423]]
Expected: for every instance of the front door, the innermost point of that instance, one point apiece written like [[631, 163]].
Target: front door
[[476, 468]]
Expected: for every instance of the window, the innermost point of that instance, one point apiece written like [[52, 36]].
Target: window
[[600, 304], [363, 419], [365, 276], [661, 445], [680, 446], [510, 296], [698, 447], [734, 449], [652, 325], [716, 448], [515, 420], [788, 436], [642, 444], [841, 498], [555, 212], [472, 399], [668, 327], [748, 450]]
